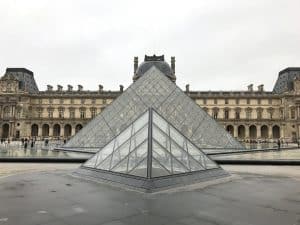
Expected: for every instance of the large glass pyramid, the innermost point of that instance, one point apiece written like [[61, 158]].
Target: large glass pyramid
[[157, 91], [151, 148]]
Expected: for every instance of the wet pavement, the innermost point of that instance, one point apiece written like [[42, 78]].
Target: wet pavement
[[260, 195], [293, 154]]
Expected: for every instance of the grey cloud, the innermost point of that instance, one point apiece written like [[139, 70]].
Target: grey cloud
[[218, 44]]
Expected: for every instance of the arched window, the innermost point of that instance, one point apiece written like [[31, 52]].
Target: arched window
[[276, 132], [5, 130], [78, 127], [241, 131], [67, 130], [6, 111], [264, 130], [45, 130], [56, 130], [34, 130], [252, 132], [230, 129]]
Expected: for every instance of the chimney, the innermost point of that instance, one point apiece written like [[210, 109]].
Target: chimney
[[49, 88], [59, 87], [260, 88], [250, 87], [70, 87], [80, 87], [187, 88], [100, 87], [173, 64], [121, 88], [136, 64]]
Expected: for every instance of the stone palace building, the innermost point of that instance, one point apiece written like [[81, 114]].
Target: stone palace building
[[253, 114]]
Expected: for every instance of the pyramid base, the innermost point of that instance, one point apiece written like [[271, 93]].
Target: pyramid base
[[149, 185]]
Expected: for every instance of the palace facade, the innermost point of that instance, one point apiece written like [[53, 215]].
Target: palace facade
[[253, 114]]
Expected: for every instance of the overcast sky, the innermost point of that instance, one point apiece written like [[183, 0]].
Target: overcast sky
[[218, 45]]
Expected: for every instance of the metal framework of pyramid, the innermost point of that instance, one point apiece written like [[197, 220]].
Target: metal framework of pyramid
[[153, 90], [151, 155]]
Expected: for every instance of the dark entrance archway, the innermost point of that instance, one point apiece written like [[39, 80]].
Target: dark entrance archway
[[230, 129], [34, 130], [5, 130], [45, 130], [264, 130], [253, 132], [276, 132], [56, 130], [241, 131], [67, 130], [78, 128]]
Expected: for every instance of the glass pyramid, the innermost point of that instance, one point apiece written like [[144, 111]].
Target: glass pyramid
[[150, 147], [153, 90]]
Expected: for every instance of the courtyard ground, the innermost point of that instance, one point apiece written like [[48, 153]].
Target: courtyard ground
[[46, 194]]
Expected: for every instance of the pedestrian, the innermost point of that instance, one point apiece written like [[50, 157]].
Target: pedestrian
[[25, 144], [278, 143], [32, 143]]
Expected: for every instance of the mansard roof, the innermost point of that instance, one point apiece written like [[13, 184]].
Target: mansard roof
[[25, 77]]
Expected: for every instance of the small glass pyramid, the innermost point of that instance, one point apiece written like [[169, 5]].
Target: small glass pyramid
[[150, 147]]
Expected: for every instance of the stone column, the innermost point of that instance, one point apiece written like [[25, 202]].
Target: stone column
[[73, 130], [40, 130], [50, 130], [258, 130], [270, 132], [62, 130], [235, 131], [282, 131], [247, 136]]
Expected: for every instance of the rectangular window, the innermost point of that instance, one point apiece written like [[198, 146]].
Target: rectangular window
[[259, 114], [39, 113], [258, 101], [270, 101], [82, 114], [215, 115], [226, 114], [93, 113], [237, 101], [204, 101], [248, 114], [237, 115], [50, 114], [72, 114], [215, 101], [248, 101], [293, 113], [281, 113], [61, 114], [226, 101]]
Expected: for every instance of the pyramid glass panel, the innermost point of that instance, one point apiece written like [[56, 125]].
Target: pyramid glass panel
[[126, 151], [158, 169], [153, 90], [175, 151], [137, 155], [140, 170]]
